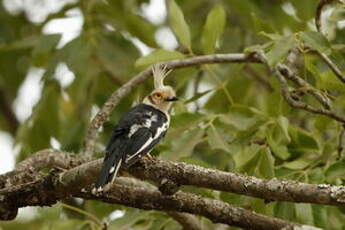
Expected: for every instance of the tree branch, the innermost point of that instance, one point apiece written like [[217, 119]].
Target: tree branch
[[283, 72], [217, 211], [114, 99], [77, 182], [332, 66], [74, 180]]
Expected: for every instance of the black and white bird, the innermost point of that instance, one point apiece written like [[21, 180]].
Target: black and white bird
[[139, 130]]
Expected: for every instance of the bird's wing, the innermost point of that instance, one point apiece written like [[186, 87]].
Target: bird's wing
[[141, 143]]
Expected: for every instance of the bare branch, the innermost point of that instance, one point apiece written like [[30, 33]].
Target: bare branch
[[185, 174], [115, 98], [217, 211], [306, 86], [77, 182], [284, 72]]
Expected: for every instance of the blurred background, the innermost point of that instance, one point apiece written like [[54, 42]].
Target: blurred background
[[61, 59]]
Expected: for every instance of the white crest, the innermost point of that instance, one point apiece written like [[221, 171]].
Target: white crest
[[159, 72]]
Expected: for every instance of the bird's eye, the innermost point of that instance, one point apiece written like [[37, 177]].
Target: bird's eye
[[157, 96]]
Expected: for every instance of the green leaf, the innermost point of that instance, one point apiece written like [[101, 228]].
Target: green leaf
[[283, 123], [316, 41], [266, 165], [130, 218], [251, 165], [304, 213], [285, 210], [217, 138], [185, 144], [179, 25], [197, 96], [45, 46], [298, 164], [302, 140], [335, 171], [213, 28], [320, 216], [157, 56], [142, 29], [280, 50]]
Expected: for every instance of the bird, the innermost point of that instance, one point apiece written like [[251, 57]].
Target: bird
[[139, 130]]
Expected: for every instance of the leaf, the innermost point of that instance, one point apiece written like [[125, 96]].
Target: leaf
[[197, 96], [266, 165], [335, 171], [298, 164], [140, 28], [42, 51], [301, 139], [251, 165], [285, 210], [316, 41], [280, 50], [130, 218], [157, 56], [283, 123], [304, 213], [182, 122], [279, 150], [179, 25], [217, 138], [213, 28], [320, 216], [184, 145]]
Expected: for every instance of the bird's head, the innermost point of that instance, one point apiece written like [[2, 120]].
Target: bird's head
[[162, 96]]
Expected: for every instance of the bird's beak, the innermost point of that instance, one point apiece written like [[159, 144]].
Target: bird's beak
[[172, 99]]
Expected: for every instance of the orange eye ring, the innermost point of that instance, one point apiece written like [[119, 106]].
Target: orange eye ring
[[157, 96]]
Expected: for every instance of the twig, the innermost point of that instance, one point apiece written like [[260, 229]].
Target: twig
[[114, 99], [332, 66], [283, 71], [306, 86]]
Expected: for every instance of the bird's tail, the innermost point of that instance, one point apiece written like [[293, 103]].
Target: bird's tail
[[110, 168]]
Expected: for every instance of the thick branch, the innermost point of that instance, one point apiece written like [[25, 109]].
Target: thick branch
[[185, 174], [55, 186], [215, 210], [115, 98]]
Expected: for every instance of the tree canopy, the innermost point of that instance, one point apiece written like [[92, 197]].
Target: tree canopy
[[256, 141]]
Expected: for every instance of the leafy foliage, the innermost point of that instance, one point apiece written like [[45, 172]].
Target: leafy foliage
[[228, 119]]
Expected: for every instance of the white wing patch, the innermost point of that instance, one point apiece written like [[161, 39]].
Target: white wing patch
[[159, 132], [147, 124]]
